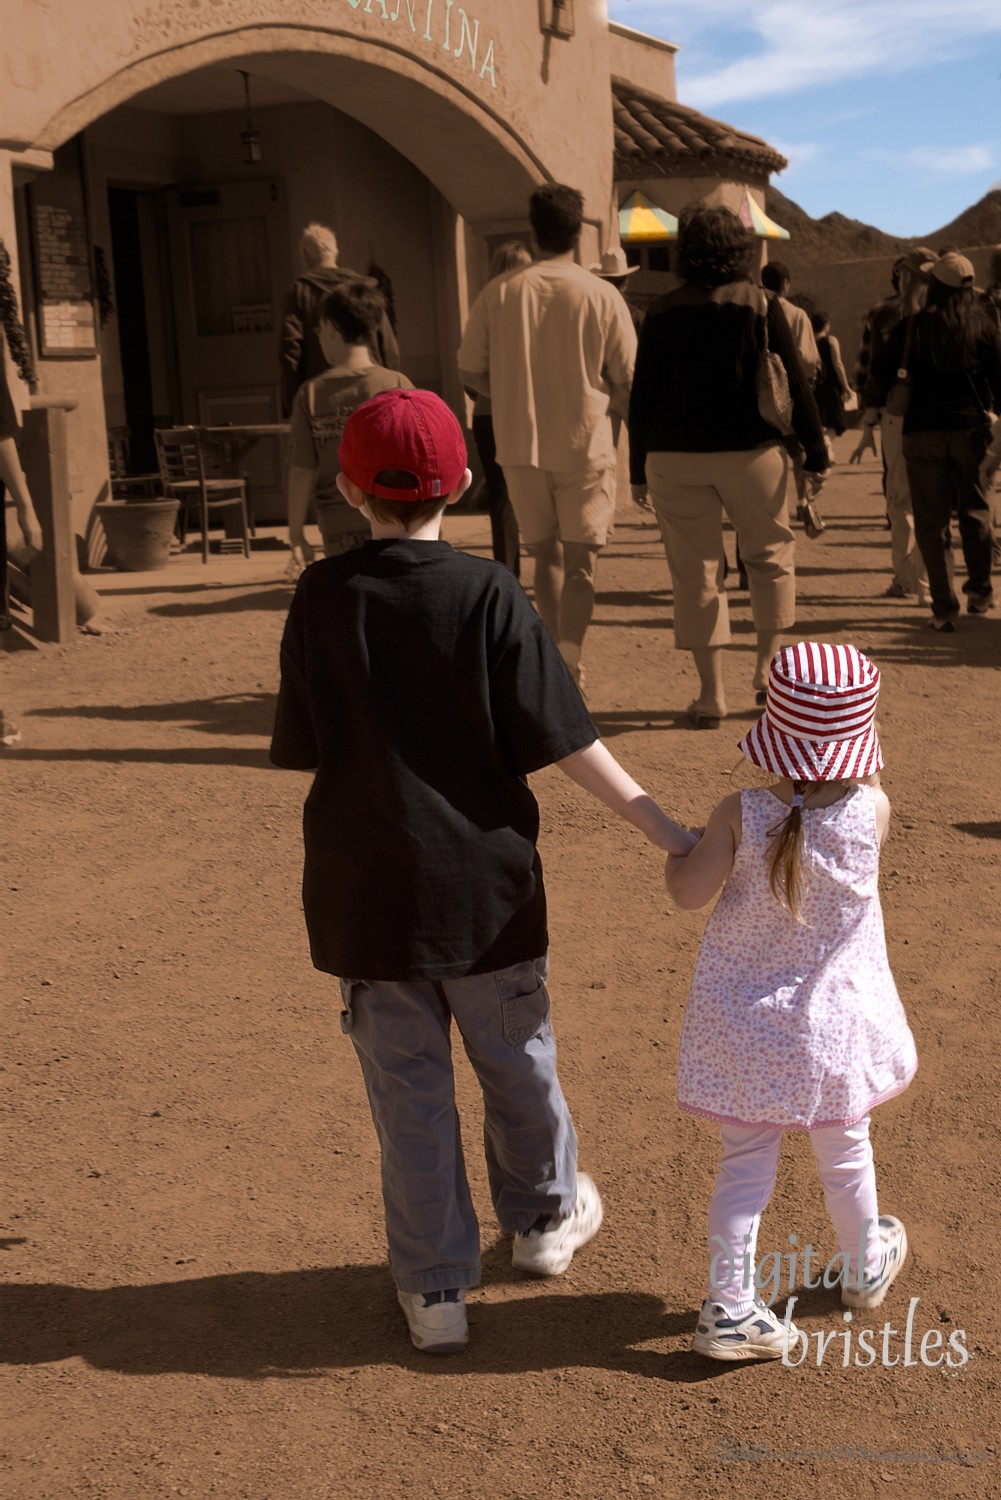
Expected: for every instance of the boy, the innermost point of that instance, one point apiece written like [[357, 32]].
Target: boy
[[423, 689], [350, 318]]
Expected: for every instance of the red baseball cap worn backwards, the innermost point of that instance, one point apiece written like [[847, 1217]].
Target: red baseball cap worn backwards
[[409, 431], [819, 722]]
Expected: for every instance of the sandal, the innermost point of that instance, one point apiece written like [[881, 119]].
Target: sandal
[[700, 720]]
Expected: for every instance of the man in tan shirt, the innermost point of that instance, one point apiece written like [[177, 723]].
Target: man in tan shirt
[[554, 347]]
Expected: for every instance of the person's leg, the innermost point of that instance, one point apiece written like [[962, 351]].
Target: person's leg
[[401, 1034], [690, 515], [743, 1187], [585, 507], [966, 451], [533, 500], [529, 1139], [844, 1161], [909, 576], [503, 526], [931, 483], [752, 488], [577, 604]]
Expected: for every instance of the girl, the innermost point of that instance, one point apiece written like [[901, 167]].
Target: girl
[[793, 1020]]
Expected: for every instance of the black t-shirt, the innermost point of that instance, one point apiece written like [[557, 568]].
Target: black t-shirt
[[423, 688]]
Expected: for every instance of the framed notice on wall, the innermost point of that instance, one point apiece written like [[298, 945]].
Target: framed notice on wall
[[60, 243]]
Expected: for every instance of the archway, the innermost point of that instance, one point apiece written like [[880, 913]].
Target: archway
[[448, 128]]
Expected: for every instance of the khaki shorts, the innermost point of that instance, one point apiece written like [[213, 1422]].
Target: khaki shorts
[[576, 506]]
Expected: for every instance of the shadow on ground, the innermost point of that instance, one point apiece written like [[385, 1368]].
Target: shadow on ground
[[300, 1324]]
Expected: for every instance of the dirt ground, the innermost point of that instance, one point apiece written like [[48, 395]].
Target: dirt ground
[[194, 1297]]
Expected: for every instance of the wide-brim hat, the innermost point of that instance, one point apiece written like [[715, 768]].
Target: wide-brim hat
[[819, 722], [613, 263]]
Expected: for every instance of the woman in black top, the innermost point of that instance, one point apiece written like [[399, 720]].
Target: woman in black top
[[698, 441], [953, 365]]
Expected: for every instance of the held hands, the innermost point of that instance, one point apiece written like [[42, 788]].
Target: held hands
[[672, 838]]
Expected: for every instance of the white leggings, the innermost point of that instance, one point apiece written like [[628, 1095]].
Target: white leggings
[[744, 1185]]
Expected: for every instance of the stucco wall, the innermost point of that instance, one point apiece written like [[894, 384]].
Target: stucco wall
[[467, 92], [645, 61]]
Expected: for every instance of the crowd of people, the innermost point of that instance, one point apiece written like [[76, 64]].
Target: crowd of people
[[558, 358], [422, 688]]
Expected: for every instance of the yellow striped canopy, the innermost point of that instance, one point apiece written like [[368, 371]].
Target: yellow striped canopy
[[640, 223]]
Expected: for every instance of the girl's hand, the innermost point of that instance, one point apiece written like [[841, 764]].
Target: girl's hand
[[693, 881]]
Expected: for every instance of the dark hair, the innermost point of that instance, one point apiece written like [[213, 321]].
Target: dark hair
[[556, 213], [409, 513], [819, 320], [994, 271], [355, 308], [713, 246], [953, 323], [510, 256], [775, 275]]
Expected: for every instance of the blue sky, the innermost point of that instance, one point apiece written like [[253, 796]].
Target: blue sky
[[888, 110]]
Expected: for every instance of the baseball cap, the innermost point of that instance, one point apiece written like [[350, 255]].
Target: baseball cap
[[953, 270], [410, 431]]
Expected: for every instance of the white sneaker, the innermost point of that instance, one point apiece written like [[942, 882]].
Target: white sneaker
[[548, 1251], [437, 1326], [894, 1239], [759, 1334]]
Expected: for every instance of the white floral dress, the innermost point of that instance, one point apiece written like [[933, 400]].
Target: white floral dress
[[792, 1024]]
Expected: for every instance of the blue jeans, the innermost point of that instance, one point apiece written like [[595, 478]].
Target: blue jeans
[[402, 1034]]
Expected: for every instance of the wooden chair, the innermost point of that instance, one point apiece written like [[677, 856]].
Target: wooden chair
[[187, 475], [124, 484]]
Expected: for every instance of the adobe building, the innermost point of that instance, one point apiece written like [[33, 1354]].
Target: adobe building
[[159, 158]]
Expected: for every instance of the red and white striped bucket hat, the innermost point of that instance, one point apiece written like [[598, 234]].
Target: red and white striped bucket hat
[[819, 722]]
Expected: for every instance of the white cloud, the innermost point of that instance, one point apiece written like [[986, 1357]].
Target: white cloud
[[944, 161], [805, 44], [798, 153]]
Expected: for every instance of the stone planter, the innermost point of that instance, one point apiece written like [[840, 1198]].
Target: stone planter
[[138, 533]]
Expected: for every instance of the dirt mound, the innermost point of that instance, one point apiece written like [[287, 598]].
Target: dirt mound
[[835, 237]]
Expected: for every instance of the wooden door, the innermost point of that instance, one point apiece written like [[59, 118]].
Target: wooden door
[[230, 263]]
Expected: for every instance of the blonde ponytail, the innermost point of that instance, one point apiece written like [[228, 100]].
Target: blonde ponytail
[[787, 856]]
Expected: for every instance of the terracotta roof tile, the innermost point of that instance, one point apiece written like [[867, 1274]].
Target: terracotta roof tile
[[657, 137]]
